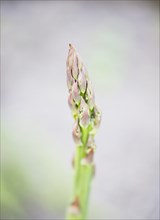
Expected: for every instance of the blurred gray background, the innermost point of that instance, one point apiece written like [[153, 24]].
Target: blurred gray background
[[119, 43]]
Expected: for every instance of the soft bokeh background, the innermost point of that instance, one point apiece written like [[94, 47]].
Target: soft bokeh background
[[119, 42]]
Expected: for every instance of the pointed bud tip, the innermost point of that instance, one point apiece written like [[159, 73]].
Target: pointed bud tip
[[71, 46], [76, 133]]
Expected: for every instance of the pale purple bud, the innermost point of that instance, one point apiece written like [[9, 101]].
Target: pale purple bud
[[79, 63], [97, 119], [90, 142], [84, 117], [69, 79], [90, 96], [71, 103], [84, 114], [84, 71], [76, 133], [76, 93], [82, 82], [91, 103], [75, 69], [72, 61], [83, 105], [70, 58], [88, 160]]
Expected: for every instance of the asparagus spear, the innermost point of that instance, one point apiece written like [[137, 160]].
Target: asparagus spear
[[87, 119]]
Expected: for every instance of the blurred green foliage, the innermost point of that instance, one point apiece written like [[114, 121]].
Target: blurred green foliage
[[26, 191]]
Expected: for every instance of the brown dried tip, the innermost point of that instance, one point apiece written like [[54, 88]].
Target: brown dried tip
[[76, 202], [75, 207], [89, 158], [71, 45], [90, 155]]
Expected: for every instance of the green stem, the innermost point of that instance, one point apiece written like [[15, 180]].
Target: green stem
[[78, 156], [82, 178], [87, 174]]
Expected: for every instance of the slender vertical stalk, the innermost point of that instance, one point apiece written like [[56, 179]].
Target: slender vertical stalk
[[87, 119]]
